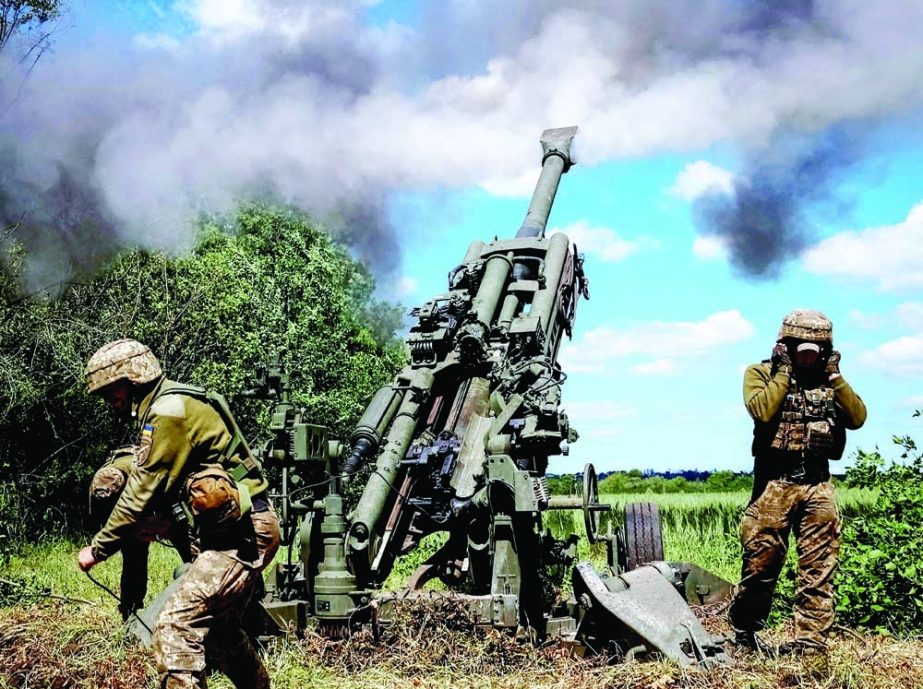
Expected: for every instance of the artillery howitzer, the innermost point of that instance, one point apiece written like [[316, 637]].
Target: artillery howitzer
[[459, 443]]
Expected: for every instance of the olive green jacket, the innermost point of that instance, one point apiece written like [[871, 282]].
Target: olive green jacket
[[178, 435]]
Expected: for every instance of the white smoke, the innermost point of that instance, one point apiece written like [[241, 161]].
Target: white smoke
[[307, 103]]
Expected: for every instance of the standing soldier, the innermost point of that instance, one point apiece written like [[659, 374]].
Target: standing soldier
[[193, 463], [801, 407]]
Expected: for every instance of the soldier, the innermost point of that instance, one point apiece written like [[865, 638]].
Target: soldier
[[801, 407], [192, 463], [106, 486]]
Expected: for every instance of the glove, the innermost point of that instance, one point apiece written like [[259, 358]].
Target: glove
[[833, 365], [780, 358]]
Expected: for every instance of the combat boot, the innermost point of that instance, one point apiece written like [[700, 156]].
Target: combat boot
[[801, 649], [748, 640]]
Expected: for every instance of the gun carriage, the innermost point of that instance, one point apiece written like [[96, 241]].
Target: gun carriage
[[458, 443]]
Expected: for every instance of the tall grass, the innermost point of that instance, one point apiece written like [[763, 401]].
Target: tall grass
[[697, 527]]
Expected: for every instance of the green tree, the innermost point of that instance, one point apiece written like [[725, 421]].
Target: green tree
[[264, 281], [29, 20]]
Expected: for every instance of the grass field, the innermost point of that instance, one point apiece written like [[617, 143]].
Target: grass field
[[75, 640]]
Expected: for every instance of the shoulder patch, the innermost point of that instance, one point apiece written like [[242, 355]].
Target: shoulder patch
[[145, 443], [169, 405]]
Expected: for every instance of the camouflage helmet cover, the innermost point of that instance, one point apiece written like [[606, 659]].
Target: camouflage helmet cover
[[124, 359], [806, 324]]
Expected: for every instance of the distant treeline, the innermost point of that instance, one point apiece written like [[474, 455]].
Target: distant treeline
[[638, 481]]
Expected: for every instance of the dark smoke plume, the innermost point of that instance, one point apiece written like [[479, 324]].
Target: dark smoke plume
[[768, 216]]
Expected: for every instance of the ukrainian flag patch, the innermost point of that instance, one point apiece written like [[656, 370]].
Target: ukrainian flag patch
[[145, 444]]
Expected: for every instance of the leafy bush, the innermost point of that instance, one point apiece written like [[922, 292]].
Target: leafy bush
[[263, 281], [880, 583]]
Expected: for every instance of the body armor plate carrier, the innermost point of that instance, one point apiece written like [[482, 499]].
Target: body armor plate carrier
[[808, 423]]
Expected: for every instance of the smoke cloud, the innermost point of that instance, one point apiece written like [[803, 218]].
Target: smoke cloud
[[766, 218], [113, 143]]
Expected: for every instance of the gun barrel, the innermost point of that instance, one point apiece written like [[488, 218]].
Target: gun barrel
[[556, 160]]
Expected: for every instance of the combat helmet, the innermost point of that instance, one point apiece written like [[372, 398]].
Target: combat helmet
[[806, 324], [124, 359]]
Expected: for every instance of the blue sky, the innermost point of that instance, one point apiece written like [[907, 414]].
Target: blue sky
[[691, 414], [427, 116]]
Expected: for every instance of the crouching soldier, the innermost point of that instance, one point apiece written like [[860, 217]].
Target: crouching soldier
[[192, 463], [105, 488]]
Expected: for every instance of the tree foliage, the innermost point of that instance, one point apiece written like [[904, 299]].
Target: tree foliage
[[636, 481], [28, 19], [266, 281]]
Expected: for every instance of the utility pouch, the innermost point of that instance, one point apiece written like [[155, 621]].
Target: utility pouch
[[818, 439], [214, 498]]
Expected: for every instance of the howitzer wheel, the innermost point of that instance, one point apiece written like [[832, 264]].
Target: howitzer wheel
[[643, 534], [590, 498]]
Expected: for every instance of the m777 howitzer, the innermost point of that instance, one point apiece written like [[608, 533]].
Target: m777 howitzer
[[459, 443]]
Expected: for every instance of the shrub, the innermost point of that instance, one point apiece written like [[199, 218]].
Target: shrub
[[265, 280], [881, 571]]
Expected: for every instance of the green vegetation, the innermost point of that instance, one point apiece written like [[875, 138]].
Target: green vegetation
[[429, 648], [636, 481], [881, 568], [265, 280]]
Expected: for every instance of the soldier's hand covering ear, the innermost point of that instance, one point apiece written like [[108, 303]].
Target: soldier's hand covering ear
[[833, 365], [780, 358]]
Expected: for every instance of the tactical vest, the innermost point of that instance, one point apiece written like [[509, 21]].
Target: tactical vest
[[808, 423]]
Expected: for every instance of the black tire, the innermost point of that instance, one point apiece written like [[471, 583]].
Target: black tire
[[643, 535]]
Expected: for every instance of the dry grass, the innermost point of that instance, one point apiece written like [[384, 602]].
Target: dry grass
[[431, 644]]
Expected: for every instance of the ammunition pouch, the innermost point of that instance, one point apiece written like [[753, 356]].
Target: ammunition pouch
[[818, 438], [215, 495], [215, 499]]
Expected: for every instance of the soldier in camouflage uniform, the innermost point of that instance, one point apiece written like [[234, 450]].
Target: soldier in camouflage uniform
[[193, 463], [105, 488], [801, 407]]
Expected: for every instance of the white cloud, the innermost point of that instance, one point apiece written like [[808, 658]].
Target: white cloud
[[912, 402], [890, 256], [231, 18], [702, 177], [512, 186], [910, 314], [310, 104], [655, 340], [602, 242], [900, 357], [599, 410], [865, 321], [710, 247], [658, 367]]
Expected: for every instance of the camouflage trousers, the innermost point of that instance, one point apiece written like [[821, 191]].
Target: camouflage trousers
[[810, 511], [200, 625]]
